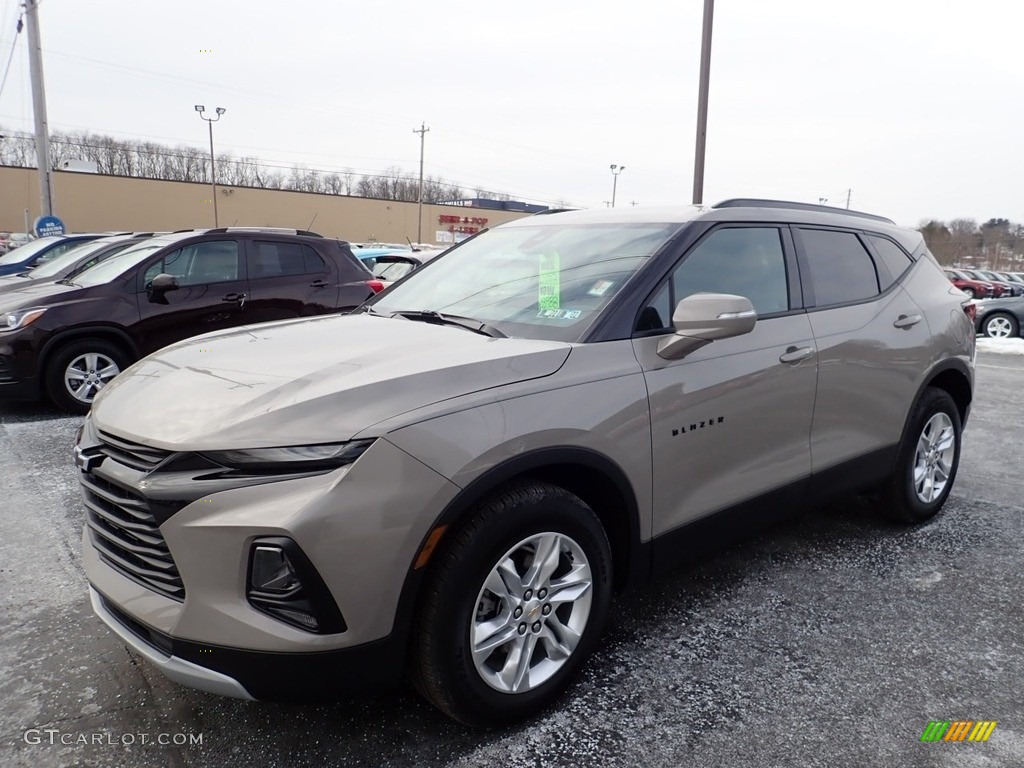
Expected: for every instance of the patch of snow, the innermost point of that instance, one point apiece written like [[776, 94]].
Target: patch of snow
[[1002, 346]]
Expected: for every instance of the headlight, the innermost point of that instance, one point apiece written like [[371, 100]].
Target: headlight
[[20, 318], [295, 458]]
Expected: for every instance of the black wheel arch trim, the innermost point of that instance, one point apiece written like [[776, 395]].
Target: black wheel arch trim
[[72, 335], [950, 364], [635, 555]]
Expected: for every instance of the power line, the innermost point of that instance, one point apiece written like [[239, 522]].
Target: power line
[[14, 46]]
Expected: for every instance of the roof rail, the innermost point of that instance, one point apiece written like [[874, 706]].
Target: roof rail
[[754, 202], [266, 229]]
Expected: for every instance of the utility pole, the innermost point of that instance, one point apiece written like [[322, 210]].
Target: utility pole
[[35, 66], [848, 193], [702, 103], [419, 207]]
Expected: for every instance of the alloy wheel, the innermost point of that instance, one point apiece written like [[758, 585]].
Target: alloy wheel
[[998, 327], [933, 460], [531, 612], [87, 374]]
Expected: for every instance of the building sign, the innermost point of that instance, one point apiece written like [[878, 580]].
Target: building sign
[[463, 225]]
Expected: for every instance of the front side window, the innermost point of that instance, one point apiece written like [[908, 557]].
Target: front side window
[[841, 270], [199, 263], [542, 280], [743, 261]]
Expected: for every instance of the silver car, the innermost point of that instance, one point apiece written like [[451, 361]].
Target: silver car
[[452, 482]]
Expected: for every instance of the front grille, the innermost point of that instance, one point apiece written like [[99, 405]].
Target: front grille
[[127, 536], [135, 455], [6, 375]]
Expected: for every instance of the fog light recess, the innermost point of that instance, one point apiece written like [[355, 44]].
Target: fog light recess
[[283, 583]]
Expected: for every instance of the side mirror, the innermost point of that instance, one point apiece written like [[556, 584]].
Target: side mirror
[[163, 283], [703, 317], [160, 285]]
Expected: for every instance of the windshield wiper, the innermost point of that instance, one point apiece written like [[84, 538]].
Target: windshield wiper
[[433, 316], [67, 281]]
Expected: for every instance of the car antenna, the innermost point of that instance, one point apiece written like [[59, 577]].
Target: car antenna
[[315, 214]]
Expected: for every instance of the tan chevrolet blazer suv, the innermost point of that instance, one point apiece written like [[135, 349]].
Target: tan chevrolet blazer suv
[[452, 482]]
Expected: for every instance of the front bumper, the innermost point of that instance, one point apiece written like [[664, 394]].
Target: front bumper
[[140, 639], [252, 675]]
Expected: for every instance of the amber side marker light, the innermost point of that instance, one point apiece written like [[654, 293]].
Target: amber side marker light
[[429, 546]]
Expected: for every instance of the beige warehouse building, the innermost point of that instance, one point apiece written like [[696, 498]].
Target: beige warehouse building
[[89, 202]]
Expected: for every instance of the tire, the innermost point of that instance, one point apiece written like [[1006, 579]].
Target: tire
[[1000, 325], [969, 291], [96, 362], [513, 621], [929, 452]]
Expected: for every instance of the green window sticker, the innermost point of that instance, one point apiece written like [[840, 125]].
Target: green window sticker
[[548, 293]]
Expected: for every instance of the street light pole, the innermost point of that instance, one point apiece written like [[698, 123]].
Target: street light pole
[[616, 170], [702, 103], [213, 167]]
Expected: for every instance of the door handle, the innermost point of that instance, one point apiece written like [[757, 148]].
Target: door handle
[[318, 284], [906, 321], [796, 354], [238, 298]]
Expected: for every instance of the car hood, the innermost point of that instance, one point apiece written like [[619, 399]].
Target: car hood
[[35, 293], [307, 381]]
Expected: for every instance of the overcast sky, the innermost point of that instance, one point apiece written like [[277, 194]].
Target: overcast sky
[[913, 107]]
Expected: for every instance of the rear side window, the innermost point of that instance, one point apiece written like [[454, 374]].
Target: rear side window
[[893, 257], [841, 269], [282, 259]]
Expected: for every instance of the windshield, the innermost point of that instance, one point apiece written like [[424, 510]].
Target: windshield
[[58, 264], [108, 269], [545, 281], [26, 251]]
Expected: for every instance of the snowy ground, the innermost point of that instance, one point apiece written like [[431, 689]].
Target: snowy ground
[[1002, 346]]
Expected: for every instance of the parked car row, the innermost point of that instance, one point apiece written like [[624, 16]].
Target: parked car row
[[93, 305], [982, 284]]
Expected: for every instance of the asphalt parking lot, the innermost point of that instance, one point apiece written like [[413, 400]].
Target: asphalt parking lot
[[831, 641]]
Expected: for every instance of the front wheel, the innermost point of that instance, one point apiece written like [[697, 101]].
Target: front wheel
[[1000, 326], [969, 291], [516, 603], [80, 370], [928, 459]]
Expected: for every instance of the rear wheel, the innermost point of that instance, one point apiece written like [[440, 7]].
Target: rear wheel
[[76, 373], [928, 459], [1000, 325], [516, 603]]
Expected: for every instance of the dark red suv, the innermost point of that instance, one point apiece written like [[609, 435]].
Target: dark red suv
[[69, 339]]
